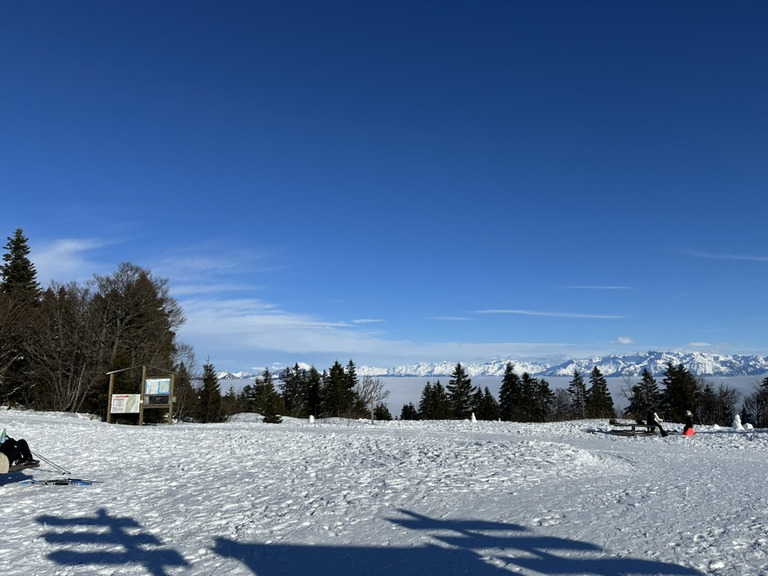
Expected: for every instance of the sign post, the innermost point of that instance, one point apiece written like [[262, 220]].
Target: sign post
[[154, 393]]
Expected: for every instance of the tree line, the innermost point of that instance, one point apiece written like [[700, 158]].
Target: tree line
[[297, 392], [58, 344], [524, 398]]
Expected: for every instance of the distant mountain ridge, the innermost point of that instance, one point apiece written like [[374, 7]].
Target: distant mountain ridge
[[616, 365]]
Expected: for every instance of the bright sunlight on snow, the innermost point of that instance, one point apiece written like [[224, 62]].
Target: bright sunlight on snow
[[353, 498]]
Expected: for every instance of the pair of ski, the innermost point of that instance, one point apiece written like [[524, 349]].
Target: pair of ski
[[65, 481], [7, 468]]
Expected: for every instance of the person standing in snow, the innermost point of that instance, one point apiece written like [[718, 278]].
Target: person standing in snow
[[653, 421], [688, 428], [18, 452]]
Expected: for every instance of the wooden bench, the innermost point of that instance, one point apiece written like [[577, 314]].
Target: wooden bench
[[631, 429]]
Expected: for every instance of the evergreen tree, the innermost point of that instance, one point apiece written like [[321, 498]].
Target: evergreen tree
[[185, 405], [435, 403], [510, 394], [409, 412], [527, 409], [210, 396], [681, 391], [476, 403], [578, 392], [351, 373], [313, 394], [755, 407], [19, 277], [381, 412], [293, 389], [265, 400], [599, 401], [645, 397], [487, 406], [337, 394], [716, 405], [460, 391], [20, 293], [426, 410], [543, 399]]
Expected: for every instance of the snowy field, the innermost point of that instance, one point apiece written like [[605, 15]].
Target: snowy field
[[350, 498]]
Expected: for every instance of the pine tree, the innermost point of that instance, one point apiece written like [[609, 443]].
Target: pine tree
[[442, 402], [313, 394], [19, 278], [487, 406], [409, 412], [381, 412], [435, 403], [681, 392], [19, 297], [460, 391], [426, 411], [599, 401], [510, 393], [645, 397], [543, 399], [527, 408], [267, 401], [210, 396], [293, 389], [185, 405], [337, 393], [756, 406], [578, 391]]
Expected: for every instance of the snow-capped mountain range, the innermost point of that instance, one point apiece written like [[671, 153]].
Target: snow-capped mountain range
[[617, 365]]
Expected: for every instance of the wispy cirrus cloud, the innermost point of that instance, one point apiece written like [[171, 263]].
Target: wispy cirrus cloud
[[599, 287], [551, 314], [214, 258], [728, 256], [68, 259]]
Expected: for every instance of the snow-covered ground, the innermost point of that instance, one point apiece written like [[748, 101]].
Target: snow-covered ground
[[350, 498]]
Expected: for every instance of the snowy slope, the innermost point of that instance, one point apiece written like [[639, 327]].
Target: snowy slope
[[351, 498]]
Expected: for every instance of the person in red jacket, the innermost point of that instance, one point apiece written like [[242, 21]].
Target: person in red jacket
[[688, 428]]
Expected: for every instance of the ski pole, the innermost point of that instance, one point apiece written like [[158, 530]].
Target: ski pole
[[51, 463]]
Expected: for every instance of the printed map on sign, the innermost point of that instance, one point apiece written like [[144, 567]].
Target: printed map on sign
[[158, 387], [125, 403]]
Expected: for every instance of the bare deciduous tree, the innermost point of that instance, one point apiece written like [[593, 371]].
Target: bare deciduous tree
[[371, 391]]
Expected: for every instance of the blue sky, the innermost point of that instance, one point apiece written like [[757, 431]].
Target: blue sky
[[391, 182]]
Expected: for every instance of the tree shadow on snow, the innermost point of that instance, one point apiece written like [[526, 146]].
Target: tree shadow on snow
[[465, 547], [107, 540]]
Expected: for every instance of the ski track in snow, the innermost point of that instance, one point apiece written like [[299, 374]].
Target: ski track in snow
[[350, 498]]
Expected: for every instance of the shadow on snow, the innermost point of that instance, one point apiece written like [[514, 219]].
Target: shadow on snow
[[461, 547], [107, 540], [466, 547]]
